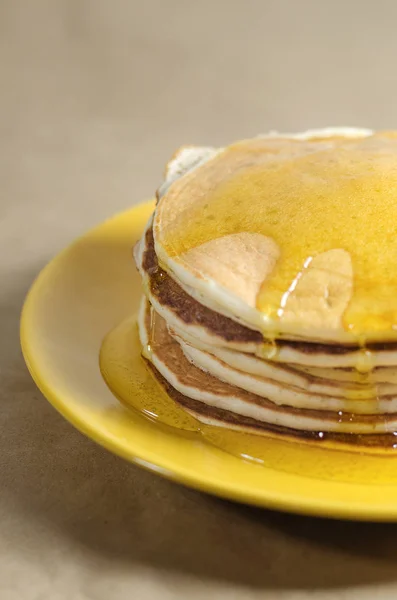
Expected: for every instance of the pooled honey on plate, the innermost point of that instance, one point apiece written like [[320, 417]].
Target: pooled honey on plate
[[131, 380], [330, 205]]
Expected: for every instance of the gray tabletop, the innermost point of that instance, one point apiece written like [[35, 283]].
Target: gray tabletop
[[94, 97]]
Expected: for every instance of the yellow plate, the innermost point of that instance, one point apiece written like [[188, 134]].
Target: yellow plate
[[87, 291]]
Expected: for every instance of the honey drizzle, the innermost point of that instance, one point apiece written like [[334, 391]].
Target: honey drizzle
[[310, 197]]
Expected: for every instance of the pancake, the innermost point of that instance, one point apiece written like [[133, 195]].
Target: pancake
[[250, 324], [289, 195], [186, 314], [279, 382], [377, 375], [167, 357]]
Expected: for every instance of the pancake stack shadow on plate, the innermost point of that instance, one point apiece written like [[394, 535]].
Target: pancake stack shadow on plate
[[199, 324]]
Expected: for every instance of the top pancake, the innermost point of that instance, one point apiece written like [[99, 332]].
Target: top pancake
[[293, 236]]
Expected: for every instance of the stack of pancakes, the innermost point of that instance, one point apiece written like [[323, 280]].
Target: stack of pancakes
[[269, 271]]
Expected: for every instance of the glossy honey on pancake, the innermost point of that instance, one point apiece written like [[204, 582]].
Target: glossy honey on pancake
[[268, 266], [290, 236]]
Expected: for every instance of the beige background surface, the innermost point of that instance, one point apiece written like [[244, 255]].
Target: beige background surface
[[94, 96]]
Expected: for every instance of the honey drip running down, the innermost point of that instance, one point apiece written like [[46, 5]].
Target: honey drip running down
[[310, 198]]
